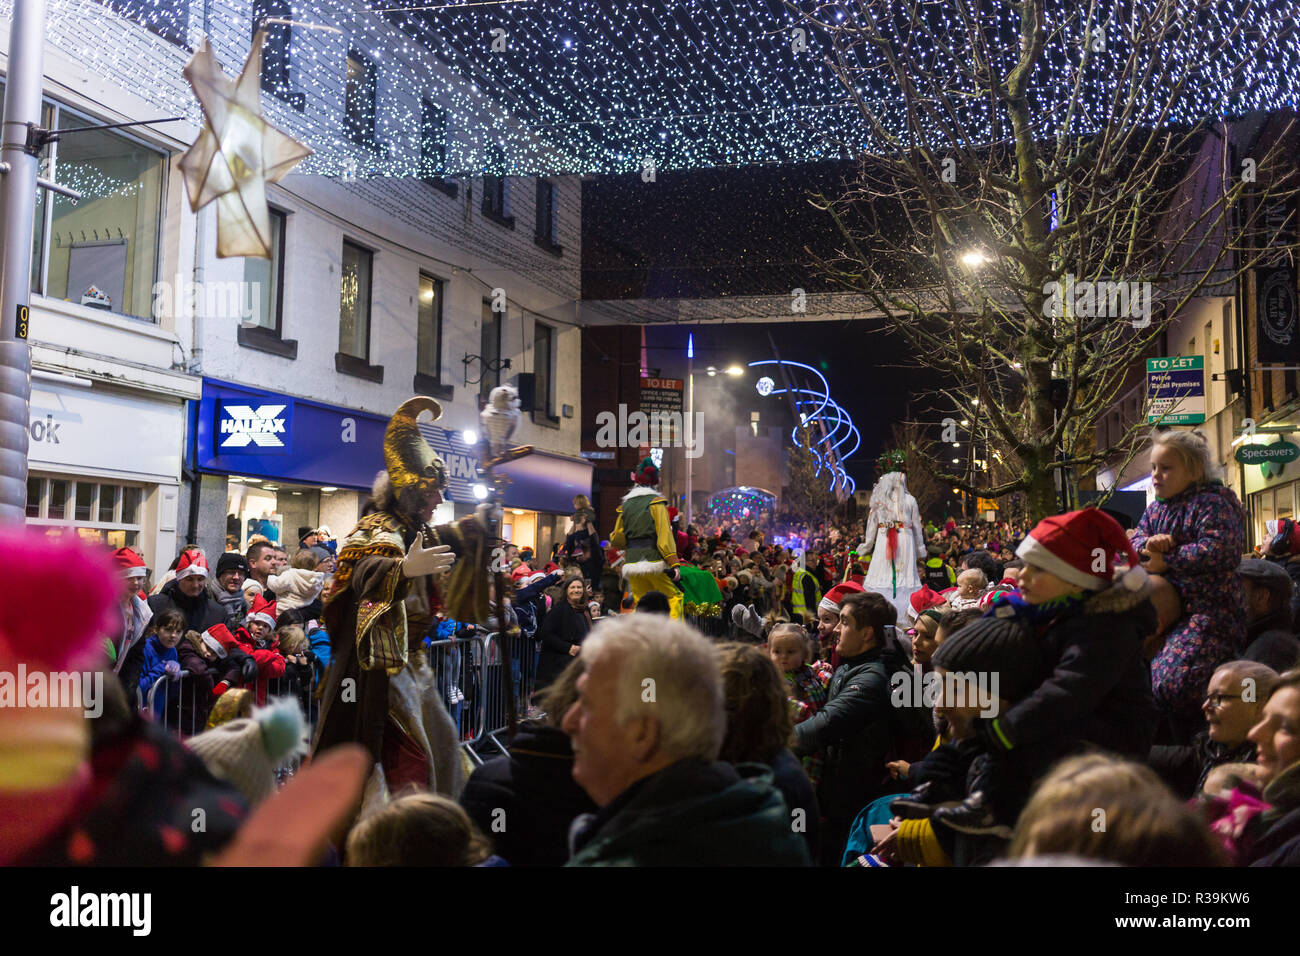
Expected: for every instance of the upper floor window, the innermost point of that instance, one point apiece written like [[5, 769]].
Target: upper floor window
[[167, 20], [265, 279], [548, 215], [543, 367], [490, 349], [276, 53], [100, 252], [434, 129], [360, 99], [496, 189], [354, 302], [428, 338]]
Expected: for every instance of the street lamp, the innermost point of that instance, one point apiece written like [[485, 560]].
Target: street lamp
[[973, 259], [735, 370]]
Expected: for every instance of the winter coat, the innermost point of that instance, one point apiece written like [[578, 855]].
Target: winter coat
[[270, 662], [534, 788], [153, 666], [319, 639], [200, 613], [1208, 526], [563, 626], [1185, 766], [1095, 686], [796, 788], [134, 622], [855, 731], [693, 813]]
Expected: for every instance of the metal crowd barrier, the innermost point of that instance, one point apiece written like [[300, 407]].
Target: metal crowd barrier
[[477, 689]]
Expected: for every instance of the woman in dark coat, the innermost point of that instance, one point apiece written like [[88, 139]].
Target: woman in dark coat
[[562, 632], [582, 543]]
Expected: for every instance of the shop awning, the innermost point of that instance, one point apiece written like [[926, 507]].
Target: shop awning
[[545, 481]]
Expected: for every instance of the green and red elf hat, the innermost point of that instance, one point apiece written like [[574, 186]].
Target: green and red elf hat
[[646, 473]]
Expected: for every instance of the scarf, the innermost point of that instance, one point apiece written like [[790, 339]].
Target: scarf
[[1037, 616]]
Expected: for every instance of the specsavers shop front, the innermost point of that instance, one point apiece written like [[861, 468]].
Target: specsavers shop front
[[273, 464]]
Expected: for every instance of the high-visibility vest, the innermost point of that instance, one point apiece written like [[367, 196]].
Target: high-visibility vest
[[797, 600]]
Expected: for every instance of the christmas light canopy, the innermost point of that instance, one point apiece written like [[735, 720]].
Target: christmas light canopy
[[532, 87]]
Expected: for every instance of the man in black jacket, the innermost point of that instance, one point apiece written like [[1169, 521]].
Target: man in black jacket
[[856, 727]]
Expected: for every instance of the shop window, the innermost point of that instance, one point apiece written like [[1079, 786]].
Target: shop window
[[102, 251], [94, 511]]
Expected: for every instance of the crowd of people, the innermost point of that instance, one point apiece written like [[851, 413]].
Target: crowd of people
[[773, 709]]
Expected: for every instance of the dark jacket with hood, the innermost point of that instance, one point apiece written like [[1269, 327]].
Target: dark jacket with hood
[[1185, 767], [855, 730], [200, 612], [534, 790], [1096, 688], [693, 813]]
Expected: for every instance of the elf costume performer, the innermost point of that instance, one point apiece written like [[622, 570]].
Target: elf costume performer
[[379, 690], [644, 534], [894, 537]]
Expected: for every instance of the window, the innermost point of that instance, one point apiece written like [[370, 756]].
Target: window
[[354, 302], [543, 363], [163, 20], [276, 54], [93, 510], [433, 146], [490, 349], [428, 346], [496, 191], [102, 251], [265, 280], [548, 215], [359, 100]]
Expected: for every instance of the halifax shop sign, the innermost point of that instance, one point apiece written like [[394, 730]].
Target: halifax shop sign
[[247, 431]]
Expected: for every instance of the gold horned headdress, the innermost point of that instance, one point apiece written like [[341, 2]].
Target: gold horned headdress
[[411, 463]]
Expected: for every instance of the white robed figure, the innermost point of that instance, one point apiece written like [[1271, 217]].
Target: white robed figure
[[895, 537]]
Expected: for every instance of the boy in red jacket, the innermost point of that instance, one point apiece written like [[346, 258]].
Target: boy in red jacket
[[256, 639]]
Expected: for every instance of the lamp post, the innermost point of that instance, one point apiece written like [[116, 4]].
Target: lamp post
[[22, 111], [690, 422]]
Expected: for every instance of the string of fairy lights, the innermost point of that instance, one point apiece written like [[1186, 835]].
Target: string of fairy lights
[[539, 87]]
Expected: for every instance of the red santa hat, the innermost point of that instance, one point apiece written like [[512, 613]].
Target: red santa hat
[[263, 611], [1079, 547], [191, 562], [129, 564], [925, 598], [836, 595]]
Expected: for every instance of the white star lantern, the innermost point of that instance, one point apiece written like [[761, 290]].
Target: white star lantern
[[237, 153]]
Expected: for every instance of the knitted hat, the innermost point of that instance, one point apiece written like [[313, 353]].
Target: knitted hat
[[130, 564], [320, 552], [646, 473], [1079, 547], [246, 752], [836, 595], [994, 645], [192, 562], [232, 561], [922, 599], [262, 611]]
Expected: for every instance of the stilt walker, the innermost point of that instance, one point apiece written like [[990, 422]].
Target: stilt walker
[[391, 581], [643, 533]]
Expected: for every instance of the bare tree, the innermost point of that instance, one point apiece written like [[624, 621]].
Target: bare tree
[[1039, 197], [808, 496]]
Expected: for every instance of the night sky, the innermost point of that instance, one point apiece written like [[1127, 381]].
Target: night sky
[[728, 232]]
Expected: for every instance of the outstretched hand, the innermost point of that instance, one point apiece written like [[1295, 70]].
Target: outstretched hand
[[420, 560]]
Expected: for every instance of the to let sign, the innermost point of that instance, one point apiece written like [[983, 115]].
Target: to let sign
[[1176, 390]]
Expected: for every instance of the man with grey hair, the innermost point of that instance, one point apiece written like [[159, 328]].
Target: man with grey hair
[[646, 730]]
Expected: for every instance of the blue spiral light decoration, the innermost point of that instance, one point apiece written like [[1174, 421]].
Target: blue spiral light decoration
[[830, 426]]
